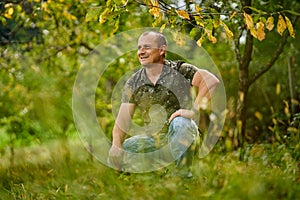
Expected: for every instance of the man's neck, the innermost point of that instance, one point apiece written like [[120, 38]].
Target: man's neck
[[153, 71]]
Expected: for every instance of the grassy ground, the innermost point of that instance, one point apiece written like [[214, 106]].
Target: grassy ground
[[51, 172]]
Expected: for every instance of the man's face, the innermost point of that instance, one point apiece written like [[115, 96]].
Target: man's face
[[149, 51]]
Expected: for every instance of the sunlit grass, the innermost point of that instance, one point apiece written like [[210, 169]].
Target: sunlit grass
[[64, 170]]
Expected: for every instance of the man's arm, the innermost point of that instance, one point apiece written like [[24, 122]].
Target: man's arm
[[122, 123], [206, 83], [121, 127]]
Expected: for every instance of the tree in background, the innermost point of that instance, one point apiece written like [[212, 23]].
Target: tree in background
[[43, 43], [246, 24]]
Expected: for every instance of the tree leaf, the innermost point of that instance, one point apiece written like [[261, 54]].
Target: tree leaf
[[198, 9], [290, 27], [69, 16], [250, 25], [154, 8], [258, 115], [92, 14], [228, 32], [157, 21], [210, 36], [281, 25], [199, 20], [216, 23], [270, 23], [183, 14], [202, 38], [162, 28], [260, 31], [278, 88], [232, 15], [9, 11], [292, 12], [105, 15], [255, 9], [194, 32]]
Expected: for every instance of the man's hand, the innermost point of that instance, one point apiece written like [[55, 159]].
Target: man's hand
[[116, 156], [182, 112]]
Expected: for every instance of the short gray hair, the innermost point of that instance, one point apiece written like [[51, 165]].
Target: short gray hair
[[160, 38]]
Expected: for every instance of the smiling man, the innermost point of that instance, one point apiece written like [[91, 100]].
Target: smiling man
[[161, 91]]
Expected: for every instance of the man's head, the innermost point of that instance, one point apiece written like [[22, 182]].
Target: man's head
[[152, 48]]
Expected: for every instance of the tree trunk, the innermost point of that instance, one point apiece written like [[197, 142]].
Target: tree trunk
[[244, 83], [243, 91]]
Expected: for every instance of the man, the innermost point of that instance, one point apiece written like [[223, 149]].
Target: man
[[161, 91]]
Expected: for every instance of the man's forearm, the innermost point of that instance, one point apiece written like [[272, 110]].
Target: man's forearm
[[118, 136], [206, 83], [122, 123]]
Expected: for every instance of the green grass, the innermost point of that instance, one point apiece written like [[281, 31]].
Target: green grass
[[51, 172]]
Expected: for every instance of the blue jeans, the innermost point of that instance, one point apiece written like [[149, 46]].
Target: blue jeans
[[180, 139]]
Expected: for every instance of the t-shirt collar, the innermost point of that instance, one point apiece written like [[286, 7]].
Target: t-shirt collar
[[166, 69]]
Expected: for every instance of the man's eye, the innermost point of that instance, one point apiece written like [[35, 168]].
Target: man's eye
[[144, 47]]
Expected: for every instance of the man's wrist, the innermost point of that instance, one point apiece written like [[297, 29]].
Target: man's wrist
[[117, 144]]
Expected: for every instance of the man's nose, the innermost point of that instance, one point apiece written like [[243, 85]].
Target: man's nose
[[141, 50]]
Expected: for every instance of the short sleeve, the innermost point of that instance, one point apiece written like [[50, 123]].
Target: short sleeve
[[188, 71], [127, 93]]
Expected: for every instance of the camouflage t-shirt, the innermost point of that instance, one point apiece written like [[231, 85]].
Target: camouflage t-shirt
[[170, 93]]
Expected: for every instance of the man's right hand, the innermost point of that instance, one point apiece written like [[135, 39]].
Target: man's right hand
[[116, 156]]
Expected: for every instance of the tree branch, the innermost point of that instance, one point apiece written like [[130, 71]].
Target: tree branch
[[275, 56], [237, 48]]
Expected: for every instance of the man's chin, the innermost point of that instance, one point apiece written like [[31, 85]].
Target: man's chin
[[145, 63], [148, 64]]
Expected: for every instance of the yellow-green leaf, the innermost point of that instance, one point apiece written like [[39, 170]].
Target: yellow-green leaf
[[250, 24], [281, 25], [198, 9], [154, 8], [270, 23], [69, 16], [232, 15], [286, 108], [199, 20], [200, 41], [9, 11], [162, 28], [45, 6], [92, 14], [278, 88], [228, 32], [241, 96], [258, 115], [260, 31], [104, 16], [183, 14], [290, 27], [216, 23], [210, 36], [274, 121], [157, 21]]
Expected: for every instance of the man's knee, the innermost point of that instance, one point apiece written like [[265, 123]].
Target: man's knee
[[139, 144], [182, 122]]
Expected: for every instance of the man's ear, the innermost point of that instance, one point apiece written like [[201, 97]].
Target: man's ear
[[163, 50]]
